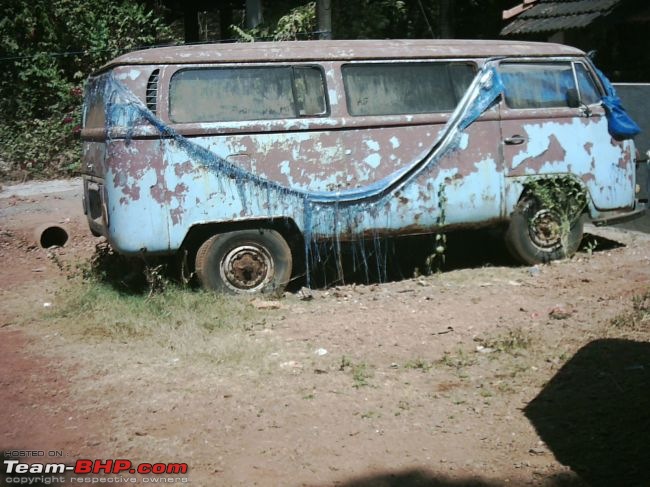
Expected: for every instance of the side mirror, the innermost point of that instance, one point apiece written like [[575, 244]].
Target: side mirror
[[572, 98]]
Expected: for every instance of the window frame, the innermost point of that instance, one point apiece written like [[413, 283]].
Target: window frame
[[387, 62], [571, 62], [294, 103], [594, 80]]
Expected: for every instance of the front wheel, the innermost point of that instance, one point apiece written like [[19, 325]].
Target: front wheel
[[537, 234], [244, 262]]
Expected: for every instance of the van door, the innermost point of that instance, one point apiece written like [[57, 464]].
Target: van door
[[552, 122]]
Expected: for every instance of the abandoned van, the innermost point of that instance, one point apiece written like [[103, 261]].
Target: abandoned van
[[249, 159]]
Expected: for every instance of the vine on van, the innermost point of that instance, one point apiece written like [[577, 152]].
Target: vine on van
[[437, 259], [564, 197]]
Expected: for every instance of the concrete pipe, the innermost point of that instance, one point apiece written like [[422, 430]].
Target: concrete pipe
[[51, 235]]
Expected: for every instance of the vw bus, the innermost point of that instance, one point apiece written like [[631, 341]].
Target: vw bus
[[252, 158]]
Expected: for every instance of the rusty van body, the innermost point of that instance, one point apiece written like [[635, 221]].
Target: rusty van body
[[250, 157]]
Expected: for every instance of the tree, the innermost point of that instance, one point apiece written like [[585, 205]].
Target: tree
[[48, 49], [324, 17]]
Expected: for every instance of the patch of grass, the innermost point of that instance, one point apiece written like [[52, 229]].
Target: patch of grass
[[513, 342], [360, 374], [419, 364], [404, 405], [370, 415], [458, 360], [196, 324], [505, 388], [345, 363], [638, 318], [361, 371]]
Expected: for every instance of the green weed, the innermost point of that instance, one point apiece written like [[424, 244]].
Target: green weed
[[636, 319]]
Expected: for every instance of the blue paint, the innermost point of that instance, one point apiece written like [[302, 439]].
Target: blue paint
[[226, 192], [322, 216]]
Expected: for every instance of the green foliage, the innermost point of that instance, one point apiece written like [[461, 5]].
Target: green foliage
[[40, 146], [425, 19], [564, 197], [419, 364], [513, 342], [437, 259], [378, 19], [361, 372], [298, 23], [368, 19], [48, 50], [638, 318]]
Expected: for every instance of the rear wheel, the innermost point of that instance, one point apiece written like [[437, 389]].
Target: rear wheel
[[244, 262], [537, 234]]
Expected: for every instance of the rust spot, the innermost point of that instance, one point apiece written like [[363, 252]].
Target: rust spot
[[132, 192], [625, 161], [176, 215], [589, 177], [185, 168], [554, 153]]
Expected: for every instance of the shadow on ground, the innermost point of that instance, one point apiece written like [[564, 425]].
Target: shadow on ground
[[594, 414], [638, 225], [367, 262], [424, 478], [389, 260]]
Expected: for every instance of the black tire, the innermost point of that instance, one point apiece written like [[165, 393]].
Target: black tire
[[244, 262], [534, 234]]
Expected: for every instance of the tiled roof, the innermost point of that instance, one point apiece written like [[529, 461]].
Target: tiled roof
[[556, 15]]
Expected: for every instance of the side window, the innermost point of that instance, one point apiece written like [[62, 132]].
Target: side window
[[238, 94], [310, 91], [405, 88], [589, 93], [537, 85], [94, 114]]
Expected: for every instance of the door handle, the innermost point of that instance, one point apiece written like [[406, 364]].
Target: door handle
[[514, 140]]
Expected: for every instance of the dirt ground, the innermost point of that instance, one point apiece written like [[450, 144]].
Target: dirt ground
[[487, 374]]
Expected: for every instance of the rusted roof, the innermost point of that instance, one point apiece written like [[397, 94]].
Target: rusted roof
[[338, 50], [557, 15]]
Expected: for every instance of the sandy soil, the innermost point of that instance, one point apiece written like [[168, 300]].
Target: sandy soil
[[488, 375]]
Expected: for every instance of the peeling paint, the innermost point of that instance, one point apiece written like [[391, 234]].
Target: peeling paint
[[337, 178]]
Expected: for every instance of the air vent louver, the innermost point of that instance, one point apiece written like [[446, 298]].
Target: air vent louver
[[152, 91]]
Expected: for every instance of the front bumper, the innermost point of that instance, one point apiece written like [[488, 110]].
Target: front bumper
[[615, 217]]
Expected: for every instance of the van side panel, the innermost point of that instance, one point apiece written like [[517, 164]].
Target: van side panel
[[471, 177], [580, 146], [156, 191], [138, 196], [343, 184]]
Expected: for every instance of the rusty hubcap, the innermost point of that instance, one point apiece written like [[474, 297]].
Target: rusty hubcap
[[247, 268], [545, 229]]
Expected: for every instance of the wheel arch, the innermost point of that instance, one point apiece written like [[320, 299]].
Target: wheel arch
[[199, 233], [520, 187]]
